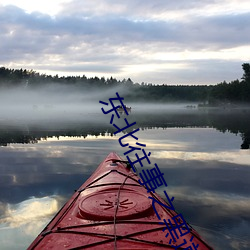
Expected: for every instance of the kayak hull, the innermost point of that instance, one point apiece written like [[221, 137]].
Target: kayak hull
[[111, 210]]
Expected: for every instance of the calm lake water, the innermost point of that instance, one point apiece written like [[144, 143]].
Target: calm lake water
[[46, 156]]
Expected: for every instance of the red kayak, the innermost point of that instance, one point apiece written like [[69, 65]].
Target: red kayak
[[111, 210]]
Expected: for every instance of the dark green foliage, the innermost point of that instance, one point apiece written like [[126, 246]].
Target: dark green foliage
[[234, 92], [220, 94], [246, 69]]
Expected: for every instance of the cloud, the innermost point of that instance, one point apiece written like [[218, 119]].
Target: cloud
[[115, 30], [143, 10], [125, 39]]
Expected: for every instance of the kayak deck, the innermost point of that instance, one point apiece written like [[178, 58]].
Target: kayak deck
[[111, 210]]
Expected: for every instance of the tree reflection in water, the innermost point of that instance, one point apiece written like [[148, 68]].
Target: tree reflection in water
[[233, 121]]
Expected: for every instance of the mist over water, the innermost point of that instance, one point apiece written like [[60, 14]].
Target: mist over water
[[198, 150], [59, 107], [55, 102], [60, 102]]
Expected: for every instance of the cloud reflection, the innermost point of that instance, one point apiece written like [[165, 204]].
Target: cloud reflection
[[28, 212], [226, 216], [228, 203], [207, 176], [223, 156], [22, 222]]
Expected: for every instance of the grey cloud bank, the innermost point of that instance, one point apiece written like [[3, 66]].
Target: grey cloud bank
[[146, 41]]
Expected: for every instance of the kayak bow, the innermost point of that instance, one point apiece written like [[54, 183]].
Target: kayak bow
[[111, 210]]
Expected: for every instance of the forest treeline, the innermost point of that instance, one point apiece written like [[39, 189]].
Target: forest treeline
[[236, 91]]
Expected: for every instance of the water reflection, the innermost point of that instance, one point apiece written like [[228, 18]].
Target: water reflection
[[233, 121], [236, 157], [205, 169], [29, 210], [20, 222]]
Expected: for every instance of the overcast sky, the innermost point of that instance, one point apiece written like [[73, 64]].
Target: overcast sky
[[157, 41]]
